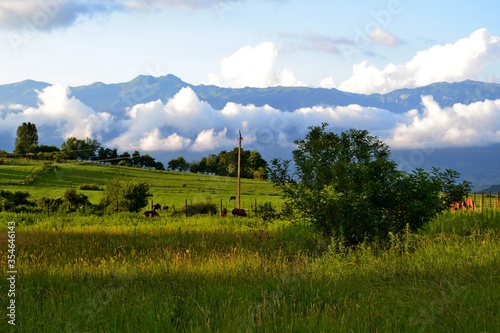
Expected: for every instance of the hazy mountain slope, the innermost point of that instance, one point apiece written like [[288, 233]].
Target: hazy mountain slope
[[24, 92], [116, 97]]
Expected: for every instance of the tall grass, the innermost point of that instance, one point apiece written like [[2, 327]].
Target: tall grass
[[125, 273]]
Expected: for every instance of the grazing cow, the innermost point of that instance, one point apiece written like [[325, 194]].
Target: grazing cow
[[223, 212], [470, 204], [232, 198], [165, 208], [156, 206], [456, 205], [151, 213], [239, 212]]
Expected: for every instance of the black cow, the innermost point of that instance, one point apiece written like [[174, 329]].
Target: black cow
[[239, 212]]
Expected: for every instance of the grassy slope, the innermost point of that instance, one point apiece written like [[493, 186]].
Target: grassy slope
[[168, 188]]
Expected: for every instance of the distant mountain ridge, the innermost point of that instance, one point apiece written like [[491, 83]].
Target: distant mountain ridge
[[115, 97]]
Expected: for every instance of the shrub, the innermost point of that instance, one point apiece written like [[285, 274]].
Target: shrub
[[200, 208], [90, 187]]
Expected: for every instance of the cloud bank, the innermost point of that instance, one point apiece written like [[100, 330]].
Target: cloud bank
[[464, 59], [184, 123], [66, 116]]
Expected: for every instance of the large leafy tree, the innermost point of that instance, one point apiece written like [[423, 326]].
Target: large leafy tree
[[80, 149], [128, 196], [26, 138], [346, 186]]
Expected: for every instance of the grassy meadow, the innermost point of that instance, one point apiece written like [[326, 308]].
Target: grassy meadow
[[128, 273], [168, 188]]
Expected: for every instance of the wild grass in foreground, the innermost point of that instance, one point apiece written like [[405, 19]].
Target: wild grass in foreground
[[211, 274]]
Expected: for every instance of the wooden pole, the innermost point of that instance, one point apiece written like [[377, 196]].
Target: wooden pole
[[239, 162]]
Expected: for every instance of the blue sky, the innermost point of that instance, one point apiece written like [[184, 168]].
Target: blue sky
[[264, 42]]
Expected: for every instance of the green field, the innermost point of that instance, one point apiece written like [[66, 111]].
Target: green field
[[128, 273], [168, 188]]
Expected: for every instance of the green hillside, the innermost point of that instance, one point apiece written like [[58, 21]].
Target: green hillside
[[168, 188]]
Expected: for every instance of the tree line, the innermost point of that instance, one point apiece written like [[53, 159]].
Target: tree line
[[222, 164], [252, 164], [88, 149]]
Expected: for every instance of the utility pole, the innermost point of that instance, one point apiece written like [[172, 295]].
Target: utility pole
[[239, 162]]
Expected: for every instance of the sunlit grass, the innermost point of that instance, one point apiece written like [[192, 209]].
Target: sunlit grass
[[124, 273]]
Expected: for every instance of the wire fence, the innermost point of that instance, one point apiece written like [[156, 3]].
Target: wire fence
[[487, 200]]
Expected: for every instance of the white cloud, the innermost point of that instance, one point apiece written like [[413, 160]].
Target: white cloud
[[210, 140], [253, 67], [464, 59], [381, 36], [460, 125], [327, 82], [154, 141], [36, 15], [67, 115], [170, 126], [33, 15]]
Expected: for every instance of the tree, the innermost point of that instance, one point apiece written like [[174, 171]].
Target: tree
[[80, 149], [347, 187], [106, 155], [27, 137], [178, 163], [129, 196]]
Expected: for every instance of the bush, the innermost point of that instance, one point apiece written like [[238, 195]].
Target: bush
[[267, 212], [90, 187], [200, 208]]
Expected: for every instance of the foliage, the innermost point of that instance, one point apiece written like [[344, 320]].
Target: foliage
[[76, 200], [452, 192], [207, 207], [27, 137], [90, 187], [267, 212], [130, 196], [225, 164], [347, 187], [80, 149], [15, 201], [178, 163]]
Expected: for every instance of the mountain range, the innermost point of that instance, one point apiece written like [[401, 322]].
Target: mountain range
[[478, 164], [115, 97]]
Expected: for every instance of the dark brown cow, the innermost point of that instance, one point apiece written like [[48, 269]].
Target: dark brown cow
[[165, 208], [151, 213], [232, 198], [223, 212], [239, 212], [156, 206], [470, 204]]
